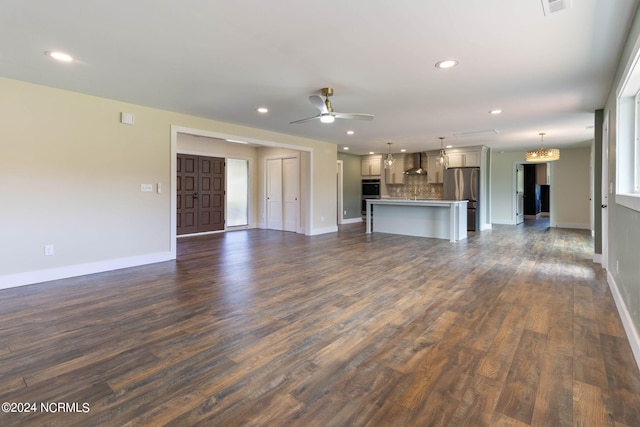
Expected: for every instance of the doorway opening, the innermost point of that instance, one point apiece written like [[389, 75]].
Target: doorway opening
[[533, 192]]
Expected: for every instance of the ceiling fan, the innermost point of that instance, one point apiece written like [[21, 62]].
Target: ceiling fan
[[327, 115]]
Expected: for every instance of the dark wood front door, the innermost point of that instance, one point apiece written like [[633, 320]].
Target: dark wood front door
[[200, 193]]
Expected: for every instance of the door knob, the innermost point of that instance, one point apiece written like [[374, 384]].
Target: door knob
[[603, 206]]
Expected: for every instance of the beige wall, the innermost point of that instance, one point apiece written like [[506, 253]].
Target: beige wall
[[70, 175], [571, 190]]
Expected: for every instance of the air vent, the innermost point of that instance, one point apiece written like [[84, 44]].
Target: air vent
[[554, 6], [477, 133]]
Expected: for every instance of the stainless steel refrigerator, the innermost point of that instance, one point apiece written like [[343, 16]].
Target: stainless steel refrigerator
[[464, 184]]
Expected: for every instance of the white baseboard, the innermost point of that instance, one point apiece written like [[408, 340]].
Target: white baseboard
[[352, 220], [31, 277], [502, 221], [324, 230], [627, 321], [573, 225]]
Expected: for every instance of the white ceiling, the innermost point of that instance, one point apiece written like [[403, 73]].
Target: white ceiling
[[223, 59]]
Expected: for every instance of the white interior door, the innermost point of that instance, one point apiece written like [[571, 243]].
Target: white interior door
[[604, 200], [290, 188], [274, 194], [519, 194]]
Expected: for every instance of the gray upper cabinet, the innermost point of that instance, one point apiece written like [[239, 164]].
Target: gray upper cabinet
[[396, 175], [371, 166], [434, 170]]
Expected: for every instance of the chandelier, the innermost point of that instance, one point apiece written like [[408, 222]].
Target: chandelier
[[443, 159], [543, 154], [389, 161]]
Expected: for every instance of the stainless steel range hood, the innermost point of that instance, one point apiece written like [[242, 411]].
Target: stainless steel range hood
[[417, 166]]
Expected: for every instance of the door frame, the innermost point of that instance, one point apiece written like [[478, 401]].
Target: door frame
[[515, 212], [340, 192], [605, 191], [515, 183]]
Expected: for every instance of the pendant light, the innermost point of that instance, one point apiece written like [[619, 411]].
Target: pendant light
[[543, 154], [443, 159], [389, 161]]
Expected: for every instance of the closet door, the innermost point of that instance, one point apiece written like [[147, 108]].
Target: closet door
[[283, 179], [274, 194]]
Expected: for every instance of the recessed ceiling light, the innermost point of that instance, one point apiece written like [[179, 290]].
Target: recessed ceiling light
[[446, 63], [495, 112], [371, 152], [346, 148], [403, 150], [350, 132], [59, 56], [449, 146], [263, 110]]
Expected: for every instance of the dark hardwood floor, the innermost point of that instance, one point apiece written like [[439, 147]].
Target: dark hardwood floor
[[514, 326]]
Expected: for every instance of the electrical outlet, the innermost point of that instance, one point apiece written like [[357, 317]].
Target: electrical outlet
[[145, 188], [49, 250]]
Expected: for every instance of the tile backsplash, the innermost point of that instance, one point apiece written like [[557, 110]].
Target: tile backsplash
[[415, 185]]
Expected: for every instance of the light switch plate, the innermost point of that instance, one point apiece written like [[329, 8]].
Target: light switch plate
[[127, 118]]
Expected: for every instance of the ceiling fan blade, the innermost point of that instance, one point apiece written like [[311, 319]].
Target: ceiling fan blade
[[305, 120], [318, 102], [353, 116]]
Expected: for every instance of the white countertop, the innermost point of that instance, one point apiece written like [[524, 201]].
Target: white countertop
[[425, 202]]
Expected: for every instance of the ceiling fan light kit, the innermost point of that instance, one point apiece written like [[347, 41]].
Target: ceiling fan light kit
[[327, 118], [327, 115], [543, 154]]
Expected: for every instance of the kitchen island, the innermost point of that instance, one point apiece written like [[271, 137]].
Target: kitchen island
[[437, 218]]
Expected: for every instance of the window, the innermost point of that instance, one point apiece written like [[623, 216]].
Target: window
[[237, 192], [628, 135]]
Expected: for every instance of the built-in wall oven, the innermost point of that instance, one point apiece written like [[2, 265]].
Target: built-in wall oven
[[370, 190]]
